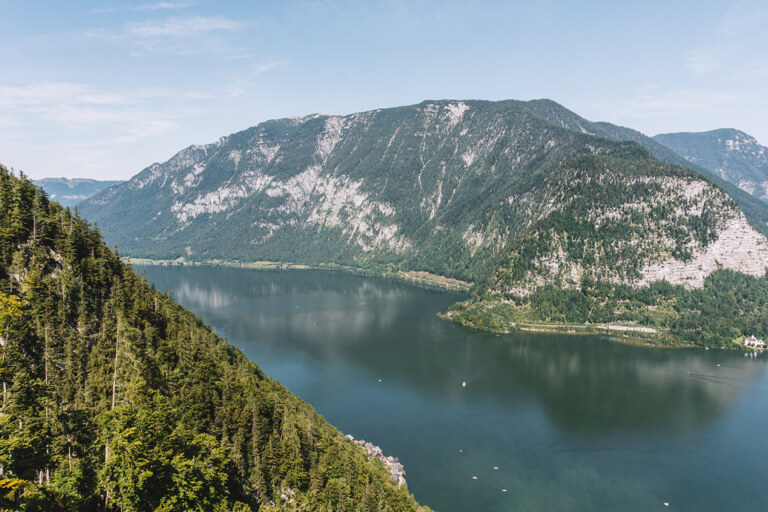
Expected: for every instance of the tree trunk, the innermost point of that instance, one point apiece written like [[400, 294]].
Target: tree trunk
[[114, 387], [114, 374], [5, 389]]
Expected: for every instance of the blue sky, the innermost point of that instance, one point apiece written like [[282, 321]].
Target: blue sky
[[104, 89]]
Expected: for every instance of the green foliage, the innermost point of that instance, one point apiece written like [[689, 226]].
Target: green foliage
[[610, 219], [461, 190], [116, 398], [481, 178], [728, 308], [612, 216]]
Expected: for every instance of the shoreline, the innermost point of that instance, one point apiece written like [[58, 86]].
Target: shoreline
[[626, 334], [617, 333], [416, 277], [614, 334]]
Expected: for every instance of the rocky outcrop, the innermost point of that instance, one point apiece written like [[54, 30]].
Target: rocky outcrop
[[396, 470], [448, 187], [679, 229], [738, 247]]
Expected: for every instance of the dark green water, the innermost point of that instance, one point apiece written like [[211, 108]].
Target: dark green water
[[572, 423]]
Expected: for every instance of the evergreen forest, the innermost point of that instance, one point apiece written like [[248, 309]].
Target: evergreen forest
[[116, 398]]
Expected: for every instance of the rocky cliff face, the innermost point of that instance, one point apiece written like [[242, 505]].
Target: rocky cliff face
[[556, 217], [440, 186], [450, 187], [732, 154], [630, 225]]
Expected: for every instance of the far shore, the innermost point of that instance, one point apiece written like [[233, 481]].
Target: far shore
[[419, 278], [628, 334]]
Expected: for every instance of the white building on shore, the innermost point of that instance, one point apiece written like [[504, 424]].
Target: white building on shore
[[754, 342]]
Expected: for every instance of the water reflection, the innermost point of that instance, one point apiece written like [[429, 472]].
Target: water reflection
[[600, 384], [389, 328], [573, 423]]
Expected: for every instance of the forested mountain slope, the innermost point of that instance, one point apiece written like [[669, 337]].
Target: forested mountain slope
[[731, 154], [515, 196], [558, 114], [441, 186], [635, 247], [116, 398], [667, 149]]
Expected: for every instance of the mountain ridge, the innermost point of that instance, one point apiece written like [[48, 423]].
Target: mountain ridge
[[732, 154], [71, 191], [449, 187]]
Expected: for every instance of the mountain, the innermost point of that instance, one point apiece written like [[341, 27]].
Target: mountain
[[637, 249], [755, 209], [116, 398], [440, 186], [731, 154], [558, 114], [514, 196], [69, 192]]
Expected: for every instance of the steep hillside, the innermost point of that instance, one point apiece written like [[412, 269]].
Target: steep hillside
[[755, 209], [69, 192], [731, 154], [116, 398], [515, 196], [650, 250], [558, 114], [440, 186]]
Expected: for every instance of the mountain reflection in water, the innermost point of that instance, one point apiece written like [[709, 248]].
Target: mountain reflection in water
[[573, 423]]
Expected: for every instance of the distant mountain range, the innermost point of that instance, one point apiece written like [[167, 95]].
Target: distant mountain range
[[732, 154], [515, 196], [69, 192]]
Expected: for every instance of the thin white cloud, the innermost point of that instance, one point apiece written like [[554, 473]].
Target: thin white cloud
[[180, 27], [237, 56], [48, 93], [162, 5], [263, 68], [672, 103], [233, 91], [146, 7], [8, 122], [124, 117], [704, 61], [182, 36]]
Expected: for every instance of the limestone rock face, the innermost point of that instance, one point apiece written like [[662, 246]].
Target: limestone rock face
[[634, 228], [527, 191], [738, 247]]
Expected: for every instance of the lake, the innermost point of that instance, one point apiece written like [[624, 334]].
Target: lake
[[573, 423]]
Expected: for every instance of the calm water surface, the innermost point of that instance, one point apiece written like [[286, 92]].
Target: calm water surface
[[572, 423]]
